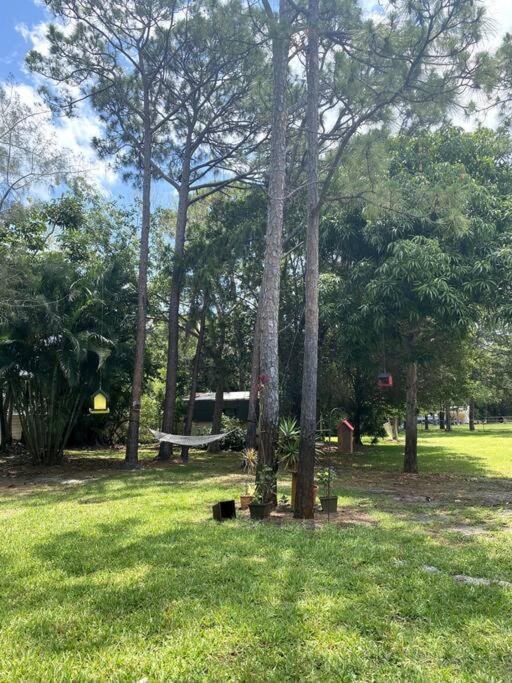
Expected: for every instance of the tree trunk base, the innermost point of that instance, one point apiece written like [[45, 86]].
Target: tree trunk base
[[164, 451], [131, 465], [410, 469]]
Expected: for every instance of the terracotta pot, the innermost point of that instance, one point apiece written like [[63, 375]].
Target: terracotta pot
[[244, 502], [260, 510]]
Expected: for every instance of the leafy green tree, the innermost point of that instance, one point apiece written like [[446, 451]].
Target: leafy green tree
[[442, 247], [374, 73], [211, 141], [75, 262], [114, 54]]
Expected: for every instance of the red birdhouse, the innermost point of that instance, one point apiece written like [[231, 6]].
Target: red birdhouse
[[345, 437], [385, 380]]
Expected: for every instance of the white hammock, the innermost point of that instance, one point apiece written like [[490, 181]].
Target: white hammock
[[182, 440]]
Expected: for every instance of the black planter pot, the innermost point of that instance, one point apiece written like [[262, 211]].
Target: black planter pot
[[329, 503], [260, 510]]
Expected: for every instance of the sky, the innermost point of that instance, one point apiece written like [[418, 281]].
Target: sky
[[22, 26]]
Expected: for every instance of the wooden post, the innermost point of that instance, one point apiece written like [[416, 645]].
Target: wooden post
[[294, 490]]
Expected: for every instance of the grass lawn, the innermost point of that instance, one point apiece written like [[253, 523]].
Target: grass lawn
[[124, 576]]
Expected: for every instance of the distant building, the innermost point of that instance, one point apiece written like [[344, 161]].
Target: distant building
[[236, 404], [16, 432]]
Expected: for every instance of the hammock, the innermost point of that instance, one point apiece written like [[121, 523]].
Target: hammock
[[192, 441]]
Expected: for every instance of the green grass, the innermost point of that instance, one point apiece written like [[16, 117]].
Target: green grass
[[485, 452], [128, 577]]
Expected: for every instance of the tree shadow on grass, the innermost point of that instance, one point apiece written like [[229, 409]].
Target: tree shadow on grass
[[258, 595], [122, 485]]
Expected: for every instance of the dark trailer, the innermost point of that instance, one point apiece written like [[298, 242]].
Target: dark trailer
[[236, 404]]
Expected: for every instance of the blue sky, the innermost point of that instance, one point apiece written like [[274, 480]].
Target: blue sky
[[22, 25], [12, 45]]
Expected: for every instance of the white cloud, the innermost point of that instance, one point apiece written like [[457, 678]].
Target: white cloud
[[35, 36], [499, 13], [71, 133], [499, 19]]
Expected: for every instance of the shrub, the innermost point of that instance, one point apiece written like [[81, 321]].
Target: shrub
[[236, 440]]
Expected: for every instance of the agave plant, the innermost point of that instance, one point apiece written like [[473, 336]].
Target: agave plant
[[288, 445]]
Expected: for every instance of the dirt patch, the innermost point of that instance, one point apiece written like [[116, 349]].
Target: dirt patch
[[434, 490], [467, 530], [17, 471], [383, 489], [344, 517]]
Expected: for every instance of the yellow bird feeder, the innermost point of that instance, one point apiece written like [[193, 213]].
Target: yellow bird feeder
[[99, 403]]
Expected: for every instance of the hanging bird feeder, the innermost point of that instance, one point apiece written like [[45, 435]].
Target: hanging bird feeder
[[99, 403], [100, 398], [385, 380]]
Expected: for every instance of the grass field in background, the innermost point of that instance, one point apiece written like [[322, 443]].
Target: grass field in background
[[485, 452], [127, 577]]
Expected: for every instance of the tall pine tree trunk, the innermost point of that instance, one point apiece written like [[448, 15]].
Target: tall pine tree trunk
[[441, 419], [304, 503], [270, 286], [193, 382], [217, 412], [219, 389], [411, 428], [165, 451], [132, 441], [472, 415], [252, 412], [3, 421]]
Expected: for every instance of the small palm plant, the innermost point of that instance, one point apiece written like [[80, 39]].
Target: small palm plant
[[249, 460], [288, 445], [248, 465]]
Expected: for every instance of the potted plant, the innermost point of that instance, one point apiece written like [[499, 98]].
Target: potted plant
[[249, 462], [261, 505], [245, 497], [283, 505], [325, 478]]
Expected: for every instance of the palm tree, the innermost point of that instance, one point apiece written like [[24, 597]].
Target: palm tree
[[50, 352]]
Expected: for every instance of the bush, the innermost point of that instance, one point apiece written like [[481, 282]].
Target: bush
[[236, 440], [151, 410]]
